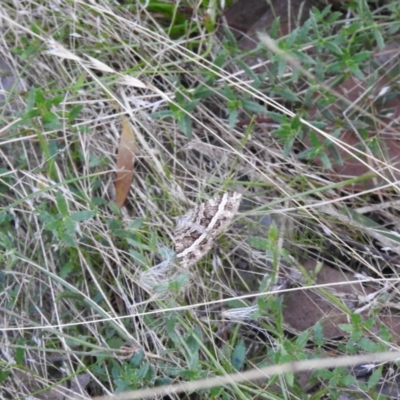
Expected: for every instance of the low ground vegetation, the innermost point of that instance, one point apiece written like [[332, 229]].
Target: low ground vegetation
[[301, 119]]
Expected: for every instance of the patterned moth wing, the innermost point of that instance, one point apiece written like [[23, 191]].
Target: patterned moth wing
[[196, 231]]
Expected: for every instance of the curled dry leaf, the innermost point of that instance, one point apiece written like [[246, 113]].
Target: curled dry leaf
[[125, 162]]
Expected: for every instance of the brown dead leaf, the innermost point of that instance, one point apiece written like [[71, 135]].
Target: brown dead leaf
[[125, 162], [304, 308]]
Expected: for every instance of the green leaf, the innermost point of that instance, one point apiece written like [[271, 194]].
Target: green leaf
[[275, 28], [162, 381], [233, 113], [26, 118], [296, 123], [258, 242], [136, 224], [333, 17], [194, 361], [346, 327], [51, 120], [229, 94], [4, 374], [267, 282], [253, 107], [393, 28], [138, 257], [357, 72], [352, 28], [356, 319], [273, 232], [61, 204], [54, 225], [66, 270], [379, 39], [348, 380], [114, 208], [291, 38], [218, 393], [287, 147], [185, 125], [229, 37], [79, 216], [325, 161], [202, 92], [324, 374], [318, 334], [384, 333], [281, 68], [336, 67], [333, 48], [170, 325], [137, 359], [53, 148], [143, 371], [55, 101], [374, 378], [368, 345], [287, 94], [40, 100], [150, 374], [238, 355], [162, 114], [75, 111], [305, 59], [20, 352], [31, 99], [69, 226], [302, 339], [193, 340], [178, 283], [314, 140], [237, 303], [289, 376], [277, 117], [189, 107], [262, 304], [256, 80]]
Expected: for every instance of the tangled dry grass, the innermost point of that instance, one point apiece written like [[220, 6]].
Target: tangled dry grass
[[307, 135]]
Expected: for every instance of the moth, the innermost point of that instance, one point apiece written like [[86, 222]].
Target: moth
[[197, 230]]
